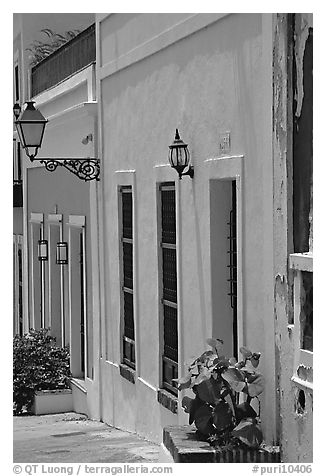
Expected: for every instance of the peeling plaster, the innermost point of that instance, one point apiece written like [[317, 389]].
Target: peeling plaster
[[301, 33], [305, 373]]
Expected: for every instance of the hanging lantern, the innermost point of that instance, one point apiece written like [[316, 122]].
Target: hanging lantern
[[179, 156], [62, 252]]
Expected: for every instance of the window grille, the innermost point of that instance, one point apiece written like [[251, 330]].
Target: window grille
[[232, 252], [169, 287], [128, 338]]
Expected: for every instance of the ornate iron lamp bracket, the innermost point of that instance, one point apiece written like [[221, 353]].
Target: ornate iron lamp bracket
[[85, 169]]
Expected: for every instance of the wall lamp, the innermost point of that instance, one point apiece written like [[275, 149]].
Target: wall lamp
[[30, 126], [42, 250], [62, 253], [179, 156]]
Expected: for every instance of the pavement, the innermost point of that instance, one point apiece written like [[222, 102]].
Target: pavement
[[73, 438]]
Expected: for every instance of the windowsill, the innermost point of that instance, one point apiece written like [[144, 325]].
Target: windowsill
[[127, 373], [301, 261], [167, 400], [303, 384]]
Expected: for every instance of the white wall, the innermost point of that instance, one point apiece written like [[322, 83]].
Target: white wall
[[206, 83]]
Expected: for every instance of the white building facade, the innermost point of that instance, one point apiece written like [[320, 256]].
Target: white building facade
[[169, 262]]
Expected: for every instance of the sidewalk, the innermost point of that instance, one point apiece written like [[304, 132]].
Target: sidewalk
[[72, 438]]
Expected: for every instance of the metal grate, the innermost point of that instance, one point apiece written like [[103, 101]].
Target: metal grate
[[169, 285], [128, 338], [233, 266]]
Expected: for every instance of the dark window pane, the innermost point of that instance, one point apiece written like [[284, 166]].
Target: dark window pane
[[169, 275], [307, 311], [127, 215], [170, 333], [168, 216], [129, 330], [127, 265]]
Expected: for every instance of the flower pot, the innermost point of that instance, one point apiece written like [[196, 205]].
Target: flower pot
[[184, 446], [52, 401]]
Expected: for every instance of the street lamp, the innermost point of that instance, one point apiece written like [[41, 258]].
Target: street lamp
[[30, 126], [179, 156]]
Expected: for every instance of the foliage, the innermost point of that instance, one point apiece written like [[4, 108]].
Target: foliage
[[38, 364], [217, 382], [41, 49]]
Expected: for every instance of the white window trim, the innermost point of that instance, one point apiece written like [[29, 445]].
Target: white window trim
[[56, 220], [78, 221], [37, 218], [299, 262], [165, 173], [230, 167]]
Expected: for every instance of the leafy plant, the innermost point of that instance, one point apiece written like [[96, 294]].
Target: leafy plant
[[41, 49], [217, 382], [38, 364]]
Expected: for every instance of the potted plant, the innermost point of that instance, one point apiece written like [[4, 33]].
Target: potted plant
[[40, 369], [220, 416]]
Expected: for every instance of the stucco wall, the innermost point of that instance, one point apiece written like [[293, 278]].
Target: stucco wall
[[295, 425], [208, 82]]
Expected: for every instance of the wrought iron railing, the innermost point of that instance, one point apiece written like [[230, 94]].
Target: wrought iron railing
[[65, 61]]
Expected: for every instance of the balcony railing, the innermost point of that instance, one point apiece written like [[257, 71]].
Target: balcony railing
[[65, 61]]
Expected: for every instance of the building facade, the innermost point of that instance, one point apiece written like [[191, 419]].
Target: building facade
[[157, 264]]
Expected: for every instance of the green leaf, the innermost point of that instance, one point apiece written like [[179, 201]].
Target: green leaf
[[255, 359], [249, 433], [235, 378], [244, 410], [216, 344], [256, 385], [183, 382], [203, 420], [209, 391], [222, 416], [245, 352], [191, 405]]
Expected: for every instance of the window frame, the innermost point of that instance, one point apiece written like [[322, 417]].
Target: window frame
[[165, 384], [125, 340], [298, 263]]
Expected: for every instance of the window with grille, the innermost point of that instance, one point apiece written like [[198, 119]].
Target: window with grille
[[128, 337], [169, 287]]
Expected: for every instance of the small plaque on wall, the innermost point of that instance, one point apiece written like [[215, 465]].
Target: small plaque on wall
[[224, 143]]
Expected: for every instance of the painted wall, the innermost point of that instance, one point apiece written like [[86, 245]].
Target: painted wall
[[295, 423], [204, 75]]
